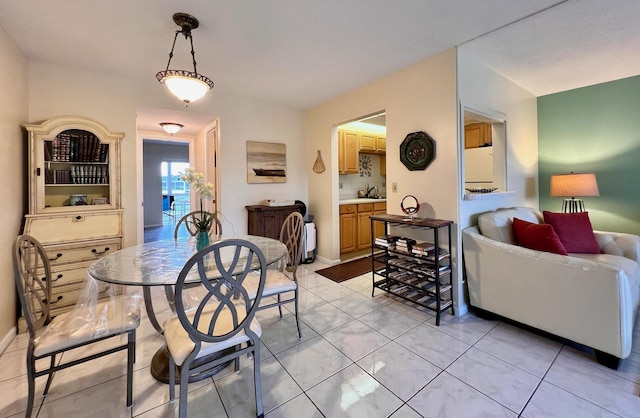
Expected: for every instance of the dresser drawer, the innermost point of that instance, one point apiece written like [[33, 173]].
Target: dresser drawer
[[64, 298], [74, 227], [65, 274], [84, 251]]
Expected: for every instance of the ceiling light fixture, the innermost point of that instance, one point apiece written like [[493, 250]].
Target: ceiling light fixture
[[188, 86], [171, 127]]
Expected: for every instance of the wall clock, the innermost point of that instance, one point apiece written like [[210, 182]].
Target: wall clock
[[365, 166], [417, 151]]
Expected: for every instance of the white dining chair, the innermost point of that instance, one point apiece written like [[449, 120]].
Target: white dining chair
[[114, 317], [221, 327], [278, 284]]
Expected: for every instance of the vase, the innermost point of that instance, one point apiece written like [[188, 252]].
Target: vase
[[203, 240]]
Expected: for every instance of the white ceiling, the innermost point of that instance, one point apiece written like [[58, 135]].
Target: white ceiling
[[304, 52]]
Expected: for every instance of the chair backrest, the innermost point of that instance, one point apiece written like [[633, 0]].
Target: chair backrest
[[291, 236], [189, 220], [225, 307], [32, 273]]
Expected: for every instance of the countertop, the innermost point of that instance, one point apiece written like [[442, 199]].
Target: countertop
[[361, 200]]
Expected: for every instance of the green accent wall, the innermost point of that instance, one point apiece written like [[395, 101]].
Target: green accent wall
[[594, 129]]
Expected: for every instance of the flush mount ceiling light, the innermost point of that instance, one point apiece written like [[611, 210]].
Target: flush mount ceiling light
[[188, 86], [171, 127]]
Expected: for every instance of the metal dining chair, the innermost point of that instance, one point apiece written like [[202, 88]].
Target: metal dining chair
[[221, 327], [278, 284], [191, 218], [48, 337]]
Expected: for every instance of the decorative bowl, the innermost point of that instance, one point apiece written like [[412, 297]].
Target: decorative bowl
[[482, 189]]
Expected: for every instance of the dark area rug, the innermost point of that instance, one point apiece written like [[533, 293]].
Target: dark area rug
[[348, 270]]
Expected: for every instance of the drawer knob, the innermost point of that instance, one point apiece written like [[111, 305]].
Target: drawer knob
[[56, 257], [96, 252], [58, 277]]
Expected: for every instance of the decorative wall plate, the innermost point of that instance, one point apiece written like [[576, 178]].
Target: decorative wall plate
[[417, 151]]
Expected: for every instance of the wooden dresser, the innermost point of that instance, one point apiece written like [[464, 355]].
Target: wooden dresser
[[266, 221]]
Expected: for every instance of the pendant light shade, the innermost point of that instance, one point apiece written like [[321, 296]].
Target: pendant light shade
[[171, 127], [186, 85]]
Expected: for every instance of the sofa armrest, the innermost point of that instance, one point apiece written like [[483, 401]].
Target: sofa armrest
[[619, 243]]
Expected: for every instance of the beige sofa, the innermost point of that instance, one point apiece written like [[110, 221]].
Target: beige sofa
[[590, 299]]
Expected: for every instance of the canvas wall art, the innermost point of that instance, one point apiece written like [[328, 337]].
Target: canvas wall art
[[266, 162]]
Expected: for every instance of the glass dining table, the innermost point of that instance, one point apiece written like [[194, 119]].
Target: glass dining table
[[159, 263]]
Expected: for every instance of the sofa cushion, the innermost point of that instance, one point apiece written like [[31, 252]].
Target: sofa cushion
[[498, 224], [539, 237], [575, 231]]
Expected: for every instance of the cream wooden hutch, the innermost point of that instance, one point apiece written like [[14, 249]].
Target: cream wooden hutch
[[75, 207]]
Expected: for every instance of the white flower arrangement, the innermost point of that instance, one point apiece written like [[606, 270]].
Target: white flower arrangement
[[205, 191]]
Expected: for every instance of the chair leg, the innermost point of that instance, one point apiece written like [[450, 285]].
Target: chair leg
[[50, 375], [172, 379], [184, 386], [279, 305], [257, 378], [31, 383], [131, 358], [297, 314]]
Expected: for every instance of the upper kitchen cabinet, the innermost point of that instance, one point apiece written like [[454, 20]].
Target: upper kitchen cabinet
[[74, 165], [348, 152], [371, 143], [477, 135]]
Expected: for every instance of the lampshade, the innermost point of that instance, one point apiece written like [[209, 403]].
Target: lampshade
[[186, 85], [574, 185], [171, 127]]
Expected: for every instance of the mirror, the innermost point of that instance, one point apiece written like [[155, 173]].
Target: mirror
[[484, 156]]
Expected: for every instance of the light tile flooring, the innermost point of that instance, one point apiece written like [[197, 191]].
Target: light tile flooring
[[360, 357]]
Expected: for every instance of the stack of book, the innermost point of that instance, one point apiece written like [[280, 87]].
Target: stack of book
[[405, 244], [423, 248], [386, 240]]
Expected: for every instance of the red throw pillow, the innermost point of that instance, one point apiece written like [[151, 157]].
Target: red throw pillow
[[539, 237], [575, 231]]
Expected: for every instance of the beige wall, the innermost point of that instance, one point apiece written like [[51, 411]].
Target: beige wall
[[13, 113], [421, 97]]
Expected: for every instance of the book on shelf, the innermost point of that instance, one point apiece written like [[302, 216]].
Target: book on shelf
[[422, 248]]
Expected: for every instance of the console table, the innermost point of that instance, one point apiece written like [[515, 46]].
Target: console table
[[266, 221]]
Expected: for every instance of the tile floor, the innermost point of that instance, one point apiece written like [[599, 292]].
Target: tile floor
[[360, 357]]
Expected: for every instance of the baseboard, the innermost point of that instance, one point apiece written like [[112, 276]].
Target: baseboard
[[7, 339]]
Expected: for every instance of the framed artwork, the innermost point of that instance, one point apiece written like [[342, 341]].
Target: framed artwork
[[266, 162], [99, 201]]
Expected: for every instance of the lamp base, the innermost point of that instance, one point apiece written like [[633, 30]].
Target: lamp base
[[573, 205]]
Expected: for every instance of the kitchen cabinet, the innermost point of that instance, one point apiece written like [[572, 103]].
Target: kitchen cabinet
[[266, 221], [347, 152], [355, 225], [477, 135], [75, 208], [372, 144], [348, 228], [365, 210], [379, 208]]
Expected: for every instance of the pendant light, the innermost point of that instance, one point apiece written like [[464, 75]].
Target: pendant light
[[188, 86], [171, 127]]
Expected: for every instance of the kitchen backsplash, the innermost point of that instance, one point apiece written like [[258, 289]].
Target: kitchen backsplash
[[369, 174]]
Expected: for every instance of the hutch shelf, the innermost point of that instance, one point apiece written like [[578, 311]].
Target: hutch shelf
[[419, 275]]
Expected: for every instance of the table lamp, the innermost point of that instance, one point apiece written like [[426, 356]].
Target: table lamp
[[571, 186]]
